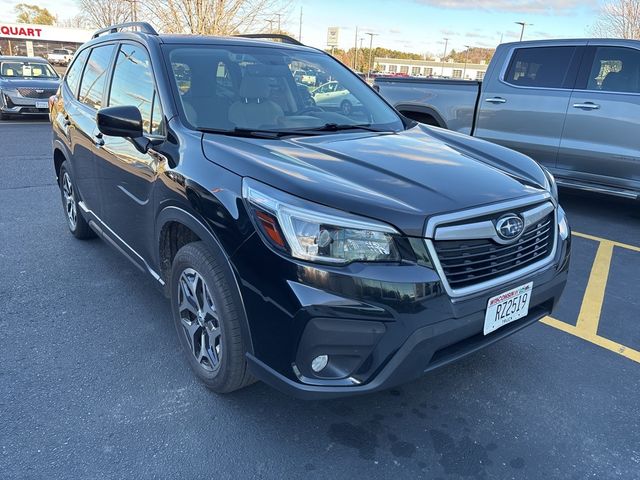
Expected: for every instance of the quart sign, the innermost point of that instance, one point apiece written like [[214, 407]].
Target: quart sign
[[43, 32]]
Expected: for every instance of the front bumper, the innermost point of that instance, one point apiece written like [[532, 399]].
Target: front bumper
[[18, 105], [383, 325]]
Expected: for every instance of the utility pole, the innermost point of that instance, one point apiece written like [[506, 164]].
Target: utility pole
[[355, 57], [279, 15], [466, 59], [369, 66], [300, 27], [446, 44], [270, 22], [523, 24]]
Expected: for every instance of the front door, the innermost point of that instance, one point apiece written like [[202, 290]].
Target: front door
[[524, 107], [127, 175]]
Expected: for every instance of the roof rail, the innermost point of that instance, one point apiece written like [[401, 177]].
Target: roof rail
[[143, 26], [272, 36]]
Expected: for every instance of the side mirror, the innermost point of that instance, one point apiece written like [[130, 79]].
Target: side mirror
[[124, 121]]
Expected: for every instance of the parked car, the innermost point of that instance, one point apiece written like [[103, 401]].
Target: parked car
[[60, 56], [324, 255], [26, 83], [334, 95], [572, 105]]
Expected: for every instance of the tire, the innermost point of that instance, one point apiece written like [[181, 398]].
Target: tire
[[207, 313], [78, 226], [346, 108]]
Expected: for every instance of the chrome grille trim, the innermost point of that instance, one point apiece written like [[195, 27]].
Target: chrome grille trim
[[543, 203]]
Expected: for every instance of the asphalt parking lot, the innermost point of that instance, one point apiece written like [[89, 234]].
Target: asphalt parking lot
[[93, 383]]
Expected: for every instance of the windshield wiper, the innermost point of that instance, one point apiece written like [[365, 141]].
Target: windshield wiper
[[254, 132], [336, 127]]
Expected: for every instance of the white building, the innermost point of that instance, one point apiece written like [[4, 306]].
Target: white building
[[39, 40], [431, 68]]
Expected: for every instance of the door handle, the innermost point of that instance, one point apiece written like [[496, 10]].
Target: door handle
[[587, 106], [496, 100], [98, 140]]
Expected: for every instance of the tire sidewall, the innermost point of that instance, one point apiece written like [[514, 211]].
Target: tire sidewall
[[194, 256], [65, 170]]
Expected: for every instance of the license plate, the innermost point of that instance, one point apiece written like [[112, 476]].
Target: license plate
[[507, 307], [42, 105]]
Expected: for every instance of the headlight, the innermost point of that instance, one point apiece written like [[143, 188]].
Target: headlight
[[553, 187], [563, 224], [317, 233]]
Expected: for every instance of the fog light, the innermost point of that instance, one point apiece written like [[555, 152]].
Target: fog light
[[319, 363]]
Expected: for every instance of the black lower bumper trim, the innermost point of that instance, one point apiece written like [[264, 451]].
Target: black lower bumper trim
[[411, 361]]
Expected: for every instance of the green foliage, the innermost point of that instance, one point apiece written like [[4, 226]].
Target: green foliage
[[26, 13]]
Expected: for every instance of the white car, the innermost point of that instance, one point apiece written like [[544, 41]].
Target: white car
[[334, 95], [60, 56]]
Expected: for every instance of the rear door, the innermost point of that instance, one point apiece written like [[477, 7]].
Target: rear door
[[127, 175], [524, 106], [82, 124], [601, 139]]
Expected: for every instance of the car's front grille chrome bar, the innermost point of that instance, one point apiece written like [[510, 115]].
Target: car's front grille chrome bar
[[470, 256]]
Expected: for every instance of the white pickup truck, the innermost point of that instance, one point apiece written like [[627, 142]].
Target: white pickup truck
[[60, 56]]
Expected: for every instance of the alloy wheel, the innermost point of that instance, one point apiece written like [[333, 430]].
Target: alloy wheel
[[199, 319], [69, 197]]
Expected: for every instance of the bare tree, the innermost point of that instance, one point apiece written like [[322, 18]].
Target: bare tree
[[211, 17], [102, 13], [618, 19]]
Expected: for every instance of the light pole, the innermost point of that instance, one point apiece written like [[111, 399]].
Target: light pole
[[355, 57], [523, 24], [371, 35], [446, 44], [466, 59]]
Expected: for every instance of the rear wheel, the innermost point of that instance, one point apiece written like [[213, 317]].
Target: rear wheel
[[78, 226], [207, 315], [346, 107]]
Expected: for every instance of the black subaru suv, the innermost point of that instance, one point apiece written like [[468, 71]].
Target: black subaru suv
[[325, 250]]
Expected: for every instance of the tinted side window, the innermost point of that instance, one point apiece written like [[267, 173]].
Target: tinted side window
[[133, 84], [74, 73], [615, 69], [540, 67], [95, 76]]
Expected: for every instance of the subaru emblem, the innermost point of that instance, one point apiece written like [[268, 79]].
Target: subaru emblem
[[509, 226]]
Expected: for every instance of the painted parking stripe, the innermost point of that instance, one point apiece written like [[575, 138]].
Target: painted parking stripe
[[586, 327]]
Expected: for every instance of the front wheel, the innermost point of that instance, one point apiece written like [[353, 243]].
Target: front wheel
[[207, 316]]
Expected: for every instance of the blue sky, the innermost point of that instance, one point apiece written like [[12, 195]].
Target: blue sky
[[417, 25]]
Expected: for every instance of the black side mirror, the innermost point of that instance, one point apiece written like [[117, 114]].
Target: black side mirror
[[124, 121]]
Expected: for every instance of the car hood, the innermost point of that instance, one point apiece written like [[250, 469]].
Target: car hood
[[401, 178], [28, 83]]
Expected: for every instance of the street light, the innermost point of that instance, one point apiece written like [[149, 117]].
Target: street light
[[444, 56], [466, 59], [523, 24], [371, 35]]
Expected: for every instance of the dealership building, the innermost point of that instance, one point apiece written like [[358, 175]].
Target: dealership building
[[431, 68], [39, 40]]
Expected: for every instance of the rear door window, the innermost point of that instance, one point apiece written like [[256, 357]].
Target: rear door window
[[547, 67], [74, 74], [95, 76]]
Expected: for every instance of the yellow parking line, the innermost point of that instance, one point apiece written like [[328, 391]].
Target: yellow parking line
[[589, 315], [599, 239], [627, 352]]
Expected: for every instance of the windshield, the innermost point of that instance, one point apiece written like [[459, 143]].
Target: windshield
[[274, 89], [27, 70]]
